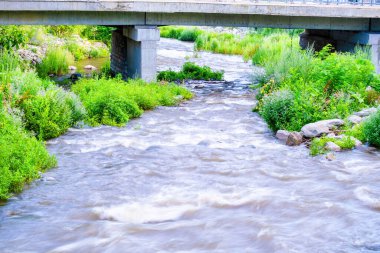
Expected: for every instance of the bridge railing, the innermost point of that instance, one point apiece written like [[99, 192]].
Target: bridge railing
[[323, 2]]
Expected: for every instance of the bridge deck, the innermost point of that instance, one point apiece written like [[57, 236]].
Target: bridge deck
[[302, 8]]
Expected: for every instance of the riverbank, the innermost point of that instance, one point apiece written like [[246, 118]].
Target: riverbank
[[209, 169], [300, 87], [34, 108]]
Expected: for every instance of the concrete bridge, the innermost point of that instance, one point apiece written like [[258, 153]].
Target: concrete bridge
[[344, 23]]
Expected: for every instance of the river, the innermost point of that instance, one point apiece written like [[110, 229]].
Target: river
[[206, 176]]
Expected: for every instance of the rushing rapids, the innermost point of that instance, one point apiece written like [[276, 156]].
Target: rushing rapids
[[207, 176]]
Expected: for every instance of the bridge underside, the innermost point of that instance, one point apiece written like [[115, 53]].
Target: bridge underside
[[194, 19], [134, 43]]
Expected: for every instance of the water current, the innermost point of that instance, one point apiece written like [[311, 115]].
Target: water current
[[206, 176]]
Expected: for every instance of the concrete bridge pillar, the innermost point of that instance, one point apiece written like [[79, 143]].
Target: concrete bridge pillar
[[134, 52], [344, 41]]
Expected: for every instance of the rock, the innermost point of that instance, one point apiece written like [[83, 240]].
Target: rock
[[320, 127], [294, 139], [366, 112], [331, 135], [282, 135], [89, 67], [330, 156], [72, 68], [331, 146], [358, 143], [355, 119]]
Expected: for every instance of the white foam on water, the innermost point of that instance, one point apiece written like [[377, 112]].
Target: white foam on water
[[166, 206], [367, 196]]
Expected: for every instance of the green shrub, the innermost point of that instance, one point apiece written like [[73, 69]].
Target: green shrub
[[50, 113], [190, 71], [9, 61], [189, 34], [56, 62], [317, 145], [98, 33], [114, 102], [63, 31], [12, 36], [76, 50], [21, 157], [357, 132], [371, 129], [325, 85], [46, 109], [278, 109]]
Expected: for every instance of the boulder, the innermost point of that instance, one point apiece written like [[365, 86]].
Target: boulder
[[355, 119], [318, 128], [294, 139], [72, 68], [366, 112], [358, 143], [89, 67], [282, 135], [331, 146]]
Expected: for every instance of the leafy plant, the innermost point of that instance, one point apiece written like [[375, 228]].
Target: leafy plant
[[21, 157], [114, 102], [190, 71], [12, 36], [278, 109], [318, 145], [56, 62], [371, 129]]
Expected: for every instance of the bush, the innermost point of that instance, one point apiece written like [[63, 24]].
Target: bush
[[317, 145], [63, 31], [325, 85], [371, 129], [56, 62], [12, 36], [189, 34], [46, 110], [50, 113], [278, 109], [114, 102], [21, 157], [190, 71], [99, 33]]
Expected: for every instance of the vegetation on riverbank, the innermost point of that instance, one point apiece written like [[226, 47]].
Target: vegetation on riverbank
[[33, 110], [114, 102], [190, 71], [36, 43], [300, 86], [246, 44]]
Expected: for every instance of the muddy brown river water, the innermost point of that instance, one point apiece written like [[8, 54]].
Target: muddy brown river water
[[206, 176]]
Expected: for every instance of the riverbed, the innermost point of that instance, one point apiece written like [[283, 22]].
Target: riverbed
[[205, 176]]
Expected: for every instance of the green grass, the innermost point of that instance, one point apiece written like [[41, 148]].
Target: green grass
[[317, 145], [371, 129], [225, 43], [332, 86], [114, 102], [56, 62], [190, 71], [22, 157]]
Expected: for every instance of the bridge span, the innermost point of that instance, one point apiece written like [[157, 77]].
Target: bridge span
[[344, 23]]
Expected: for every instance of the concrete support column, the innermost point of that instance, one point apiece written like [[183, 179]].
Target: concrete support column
[[344, 41], [134, 52], [119, 53]]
